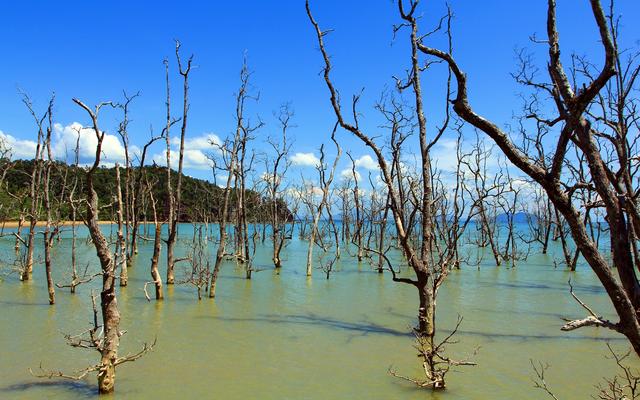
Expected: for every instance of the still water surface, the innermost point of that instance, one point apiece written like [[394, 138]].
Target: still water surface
[[283, 336]]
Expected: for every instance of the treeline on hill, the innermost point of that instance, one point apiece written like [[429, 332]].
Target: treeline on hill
[[199, 197]]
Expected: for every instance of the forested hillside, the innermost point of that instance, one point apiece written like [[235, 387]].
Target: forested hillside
[[199, 197]]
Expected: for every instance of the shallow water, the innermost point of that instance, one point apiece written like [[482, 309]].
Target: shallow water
[[283, 336]]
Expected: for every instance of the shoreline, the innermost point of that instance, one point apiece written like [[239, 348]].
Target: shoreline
[[14, 224]]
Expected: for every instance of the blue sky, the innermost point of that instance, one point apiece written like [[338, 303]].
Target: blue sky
[[94, 50]]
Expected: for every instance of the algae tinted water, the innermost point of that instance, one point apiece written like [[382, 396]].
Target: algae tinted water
[[283, 336]]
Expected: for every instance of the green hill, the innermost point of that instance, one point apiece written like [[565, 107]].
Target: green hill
[[199, 197]]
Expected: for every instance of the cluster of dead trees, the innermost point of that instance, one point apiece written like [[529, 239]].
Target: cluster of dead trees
[[45, 210], [567, 175], [576, 146], [579, 144]]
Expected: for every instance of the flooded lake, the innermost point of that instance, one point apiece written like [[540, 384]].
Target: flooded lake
[[284, 336]]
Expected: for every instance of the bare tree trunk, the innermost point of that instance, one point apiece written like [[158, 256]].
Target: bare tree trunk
[[324, 186], [234, 156], [108, 301], [170, 196], [48, 234], [383, 228], [18, 243], [576, 129], [280, 167], [430, 259], [74, 218], [130, 245], [157, 245], [121, 251], [173, 222], [36, 178], [563, 240], [358, 207]]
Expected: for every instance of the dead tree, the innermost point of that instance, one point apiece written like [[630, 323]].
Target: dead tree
[[430, 261], [427, 352], [74, 218], [146, 187], [76, 278], [36, 178], [199, 271], [331, 222], [170, 206], [376, 213], [327, 266], [109, 341], [5, 166], [382, 234], [293, 201], [509, 204], [157, 246], [274, 179], [229, 154], [246, 131], [562, 235], [325, 186], [625, 385], [5, 160], [358, 222], [18, 233], [120, 256], [486, 190], [539, 215], [94, 338], [130, 238], [174, 200], [345, 193], [49, 232], [592, 131], [244, 252]]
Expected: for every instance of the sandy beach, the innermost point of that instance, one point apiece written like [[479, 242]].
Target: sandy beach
[[14, 224]]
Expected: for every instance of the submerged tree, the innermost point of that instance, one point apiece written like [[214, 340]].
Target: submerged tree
[[199, 271], [145, 187], [592, 113], [50, 231], [106, 338], [625, 385], [274, 177], [417, 229], [316, 210], [230, 152], [35, 192], [175, 199]]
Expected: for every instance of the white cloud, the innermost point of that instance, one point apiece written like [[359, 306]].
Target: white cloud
[[305, 191], [305, 159], [366, 162], [20, 149], [66, 137], [196, 150], [347, 174], [195, 159], [221, 180], [379, 182], [206, 141], [269, 178], [526, 187], [444, 154]]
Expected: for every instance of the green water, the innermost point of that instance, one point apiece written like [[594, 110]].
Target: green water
[[288, 337]]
